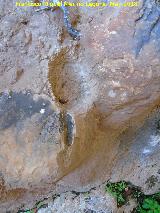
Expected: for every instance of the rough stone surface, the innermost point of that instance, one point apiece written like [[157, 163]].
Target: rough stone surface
[[76, 113], [94, 201]]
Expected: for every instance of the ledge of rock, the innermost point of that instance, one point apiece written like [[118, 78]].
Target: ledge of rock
[[74, 114]]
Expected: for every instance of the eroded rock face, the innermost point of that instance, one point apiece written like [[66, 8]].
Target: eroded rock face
[[85, 115], [112, 81], [30, 141]]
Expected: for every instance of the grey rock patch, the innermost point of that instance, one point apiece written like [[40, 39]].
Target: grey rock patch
[[18, 106], [147, 25], [95, 201]]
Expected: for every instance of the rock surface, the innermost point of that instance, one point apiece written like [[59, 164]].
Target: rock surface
[[95, 201], [76, 113]]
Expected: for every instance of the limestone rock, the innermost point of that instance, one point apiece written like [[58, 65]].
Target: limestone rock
[[91, 110]]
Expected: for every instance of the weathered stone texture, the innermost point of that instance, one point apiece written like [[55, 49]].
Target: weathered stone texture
[[75, 113]]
